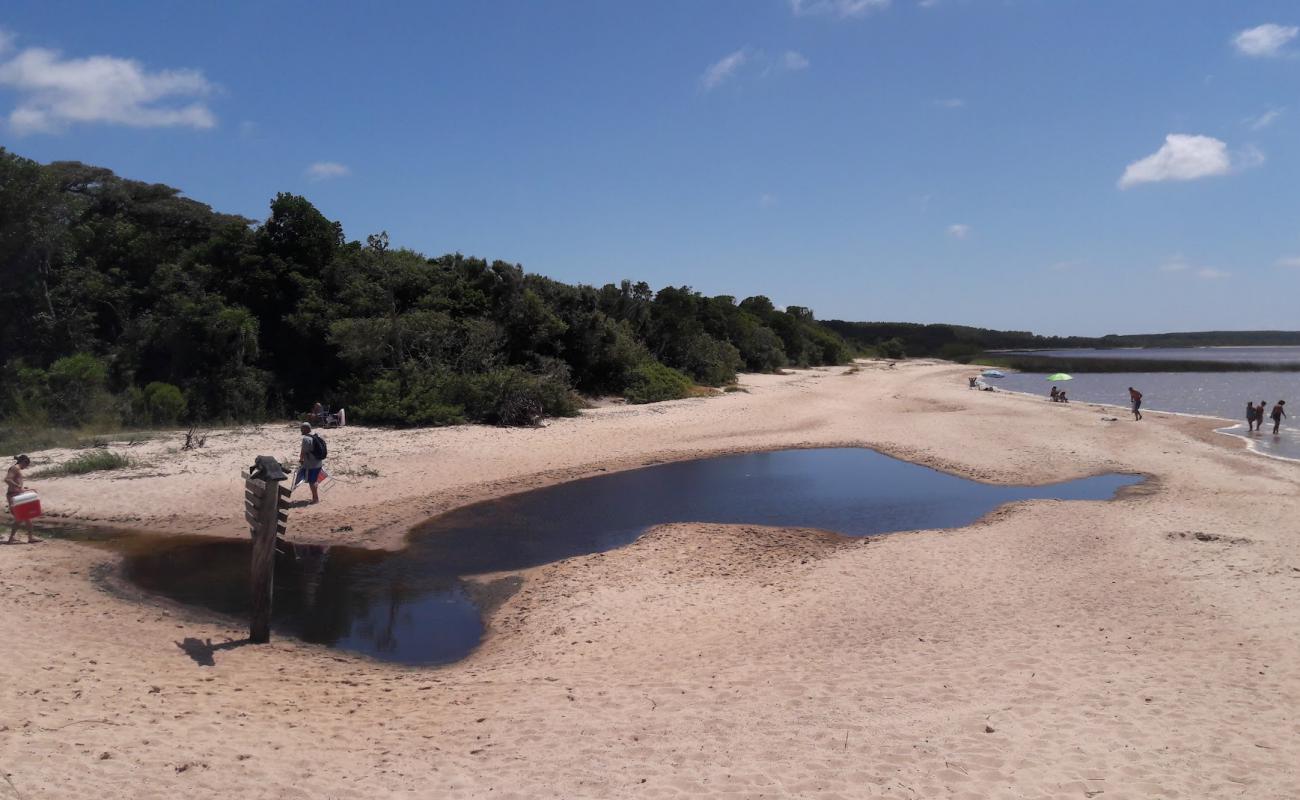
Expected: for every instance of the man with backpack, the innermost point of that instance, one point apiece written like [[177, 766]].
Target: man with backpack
[[313, 453]]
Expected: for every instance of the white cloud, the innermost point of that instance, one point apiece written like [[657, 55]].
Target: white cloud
[[1289, 262], [1178, 265], [793, 61], [1181, 158], [1264, 41], [766, 200], [838, 8], [324, 170], [55, 92], [1262, 121], [959, 231], [720, 71], [1064, 266], [1247, 157], [951, 102], [6, 41]]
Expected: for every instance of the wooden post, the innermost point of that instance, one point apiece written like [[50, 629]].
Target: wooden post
[[264, 509]]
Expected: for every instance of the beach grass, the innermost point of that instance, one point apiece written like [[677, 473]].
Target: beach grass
[[91, 461]]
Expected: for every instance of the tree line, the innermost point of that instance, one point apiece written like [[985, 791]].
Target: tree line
[[124, 303]]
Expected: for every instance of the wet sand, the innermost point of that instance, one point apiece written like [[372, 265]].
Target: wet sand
[[1143, 647]]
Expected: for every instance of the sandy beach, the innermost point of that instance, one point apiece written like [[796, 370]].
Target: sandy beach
[[1145, 647]]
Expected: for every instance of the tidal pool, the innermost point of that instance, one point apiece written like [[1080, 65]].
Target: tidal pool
[[413, 607]]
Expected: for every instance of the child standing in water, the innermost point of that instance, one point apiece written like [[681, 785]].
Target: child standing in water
[[1251, 415]]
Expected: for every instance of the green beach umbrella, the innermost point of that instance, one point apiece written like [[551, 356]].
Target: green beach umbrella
[[1060, 376]]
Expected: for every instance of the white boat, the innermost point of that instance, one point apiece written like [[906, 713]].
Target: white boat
[[993, 373]]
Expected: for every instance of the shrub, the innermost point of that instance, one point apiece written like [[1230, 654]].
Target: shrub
[[382, 401], [77, 388], [710, 361], [164, 403], [891, 348], [653, 382], [511, 396]]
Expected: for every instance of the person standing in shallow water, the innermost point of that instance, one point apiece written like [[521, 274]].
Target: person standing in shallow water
[[14, 486], [1277, 415], [1251, 415], [1136, 397]]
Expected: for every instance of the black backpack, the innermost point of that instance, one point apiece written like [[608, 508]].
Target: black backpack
[[318, 447]]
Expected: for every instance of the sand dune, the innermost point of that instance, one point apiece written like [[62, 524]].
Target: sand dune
[[1143, 647]]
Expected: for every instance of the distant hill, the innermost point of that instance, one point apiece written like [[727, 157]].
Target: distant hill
[[962, 342], [1204, 339]]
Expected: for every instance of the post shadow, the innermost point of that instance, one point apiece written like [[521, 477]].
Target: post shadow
[[203, 650]]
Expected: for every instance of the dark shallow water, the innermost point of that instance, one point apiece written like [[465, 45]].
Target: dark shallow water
[[413, 607]]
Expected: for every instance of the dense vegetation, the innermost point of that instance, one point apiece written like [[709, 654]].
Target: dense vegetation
[[124, 303]]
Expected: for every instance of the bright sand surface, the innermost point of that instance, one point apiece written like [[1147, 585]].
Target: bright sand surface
[[1144, 647]]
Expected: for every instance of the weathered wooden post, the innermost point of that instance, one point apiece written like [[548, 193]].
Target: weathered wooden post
[[265, 510]]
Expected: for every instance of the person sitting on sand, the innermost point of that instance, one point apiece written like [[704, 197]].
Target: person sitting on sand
[[317, 415], [1061, 398], [14, 486], [974, 379], [1136, 397], [1277, 415], [1055, 395], [309, 463]]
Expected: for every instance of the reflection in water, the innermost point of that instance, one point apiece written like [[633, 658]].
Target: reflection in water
[[412, 606]]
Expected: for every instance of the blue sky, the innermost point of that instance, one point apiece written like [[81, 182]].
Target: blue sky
[[1064, 166]]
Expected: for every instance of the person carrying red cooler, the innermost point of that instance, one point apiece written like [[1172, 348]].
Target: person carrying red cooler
[[14, 487]]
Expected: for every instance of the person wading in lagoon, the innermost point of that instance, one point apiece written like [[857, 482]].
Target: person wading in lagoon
[[309, 460], [1251, 415], [14, 486], [1277, 415], [1136, 397]]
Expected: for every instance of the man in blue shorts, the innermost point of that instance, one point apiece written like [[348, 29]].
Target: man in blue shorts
[[308, 462]]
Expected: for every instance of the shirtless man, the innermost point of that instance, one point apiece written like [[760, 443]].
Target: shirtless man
[[1136, 397], [1277, 415], [14, 486]]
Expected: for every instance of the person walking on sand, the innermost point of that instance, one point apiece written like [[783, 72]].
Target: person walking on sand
[[13, 487], [1136, 397], [1277, 415], [309, 460]]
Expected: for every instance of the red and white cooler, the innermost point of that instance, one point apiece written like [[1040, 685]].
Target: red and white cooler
[[25, 506]]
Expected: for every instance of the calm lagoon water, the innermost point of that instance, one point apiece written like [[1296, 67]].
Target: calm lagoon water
[[1250, 355], [414, 607], [1211, 394]]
